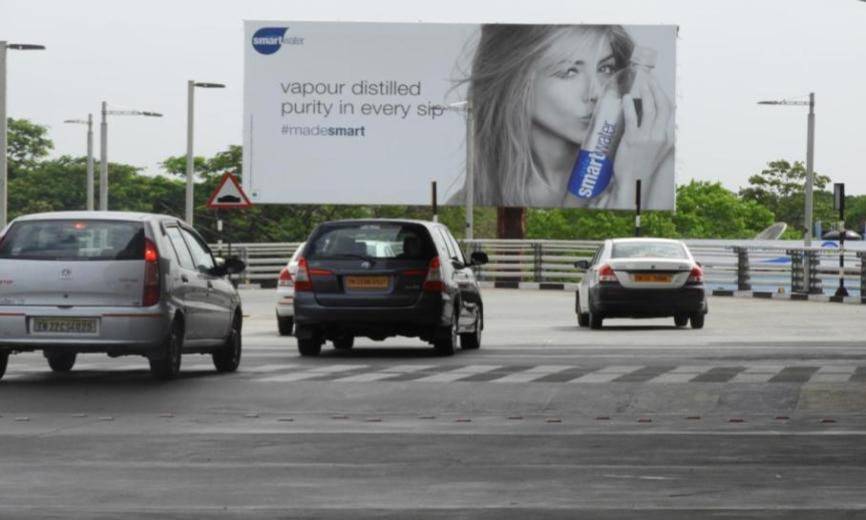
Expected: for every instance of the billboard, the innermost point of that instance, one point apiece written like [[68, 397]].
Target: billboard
[[533, 115]]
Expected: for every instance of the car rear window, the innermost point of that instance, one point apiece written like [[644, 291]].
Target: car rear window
[[648, 250], [385, 240], [74, 240]]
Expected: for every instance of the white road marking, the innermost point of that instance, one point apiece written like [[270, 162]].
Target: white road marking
[[757, 374], [310, 374], [457, 374], [605, 374], [833, 374], [269, 367], [383, 374], [682, 374], [532, 374]]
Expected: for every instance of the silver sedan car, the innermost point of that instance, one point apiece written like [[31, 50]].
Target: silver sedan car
[[641, 278], [119, 283]]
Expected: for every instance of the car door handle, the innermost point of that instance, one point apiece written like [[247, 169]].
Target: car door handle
[[184, 278]]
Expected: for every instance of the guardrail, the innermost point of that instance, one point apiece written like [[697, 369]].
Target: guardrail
[[730, 266]]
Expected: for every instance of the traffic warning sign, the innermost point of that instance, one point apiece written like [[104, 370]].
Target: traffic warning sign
[[229, 194]]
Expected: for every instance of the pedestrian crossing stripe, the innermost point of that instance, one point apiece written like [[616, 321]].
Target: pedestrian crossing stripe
[[503, 374]]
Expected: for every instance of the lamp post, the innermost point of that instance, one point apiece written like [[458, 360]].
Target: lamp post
[[469, 191], [89, 124], [3, 123], [810, 157], [190, 161], [103, 145]]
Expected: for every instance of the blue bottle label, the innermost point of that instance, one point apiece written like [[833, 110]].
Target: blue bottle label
[[591, 174]]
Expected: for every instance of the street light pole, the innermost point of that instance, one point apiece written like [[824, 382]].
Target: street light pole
[[103, 155], [89, 124], [190, 159], [810, 158], [4, 166]]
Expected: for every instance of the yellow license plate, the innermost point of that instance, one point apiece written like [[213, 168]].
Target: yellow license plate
[[63, 326], [650, 278], [367, 282]]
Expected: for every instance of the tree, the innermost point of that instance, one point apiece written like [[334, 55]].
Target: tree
[[28, 143], [781, 188], [708, 210]]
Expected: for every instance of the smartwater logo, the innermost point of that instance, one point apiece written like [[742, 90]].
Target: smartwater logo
[[268, 40]]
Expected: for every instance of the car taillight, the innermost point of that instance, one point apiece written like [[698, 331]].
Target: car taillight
[[434, 283], [150, 296], [303, 283], [696, 276], [285, 279], [605, 274]]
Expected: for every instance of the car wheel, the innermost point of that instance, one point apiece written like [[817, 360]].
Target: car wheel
[[167, 366], [4, 360], [447, 342], [228, 358], [309, 346], [582, 317], [697, 320], [595, 318], [61, 361], [472, 340], [344, 342], [681, 320], [285, 325]]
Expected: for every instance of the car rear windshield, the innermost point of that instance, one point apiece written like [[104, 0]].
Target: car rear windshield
[[649, 250], [376, 241], [74, 240]]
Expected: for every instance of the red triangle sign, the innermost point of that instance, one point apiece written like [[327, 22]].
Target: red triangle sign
[[229, 194]]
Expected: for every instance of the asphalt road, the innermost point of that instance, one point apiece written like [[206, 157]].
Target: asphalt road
[[762, 414]]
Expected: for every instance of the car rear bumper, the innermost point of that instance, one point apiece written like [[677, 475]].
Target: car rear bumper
[[422, 318], [119, 331], [616, 301]]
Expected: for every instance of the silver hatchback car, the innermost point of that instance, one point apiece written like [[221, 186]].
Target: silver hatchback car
[[121, 283]]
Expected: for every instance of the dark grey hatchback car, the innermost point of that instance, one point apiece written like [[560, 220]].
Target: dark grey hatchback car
[[380, 278]]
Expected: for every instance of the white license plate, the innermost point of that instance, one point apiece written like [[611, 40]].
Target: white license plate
[[64, 325]]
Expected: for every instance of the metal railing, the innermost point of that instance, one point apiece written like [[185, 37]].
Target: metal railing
[[729, 265]]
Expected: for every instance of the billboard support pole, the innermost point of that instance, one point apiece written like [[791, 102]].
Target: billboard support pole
[[433, 201], [470, 172], [637, 208]]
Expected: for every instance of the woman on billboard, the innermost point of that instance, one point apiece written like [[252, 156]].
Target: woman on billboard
[[540, 92]]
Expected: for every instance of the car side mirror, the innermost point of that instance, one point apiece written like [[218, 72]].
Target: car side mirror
[[231, 265], [582, 264], [478, 258]]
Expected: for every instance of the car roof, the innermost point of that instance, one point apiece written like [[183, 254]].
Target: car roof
[[426, 223], [95, 215], [645, 239]]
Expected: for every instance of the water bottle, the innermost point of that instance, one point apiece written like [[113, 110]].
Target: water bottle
[[594, 168]]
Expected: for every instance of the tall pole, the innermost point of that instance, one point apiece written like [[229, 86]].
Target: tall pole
[[190, 93], [470, 172], [3, 143], [103, 159], [810, 161], [89, 162]]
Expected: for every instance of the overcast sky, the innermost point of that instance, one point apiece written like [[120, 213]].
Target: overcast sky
[[731, 54]]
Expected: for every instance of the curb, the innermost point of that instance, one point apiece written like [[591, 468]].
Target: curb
[[767, 295]]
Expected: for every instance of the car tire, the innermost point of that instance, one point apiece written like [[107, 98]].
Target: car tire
[[309, 346], [4, 361], [228, 358], [596, 319], [447, 341], [697, 320], [472, 340], [582, 317], [167, 366], [344, 342], [681, 320], [285, 324], [61, 361]]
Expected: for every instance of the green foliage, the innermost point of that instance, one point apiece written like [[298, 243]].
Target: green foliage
[[704, 209], [781, 188]]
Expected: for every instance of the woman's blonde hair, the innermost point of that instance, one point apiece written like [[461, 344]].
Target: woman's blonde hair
[[500, 91]]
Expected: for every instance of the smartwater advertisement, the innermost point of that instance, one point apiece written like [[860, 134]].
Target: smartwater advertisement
[[538, 116]]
